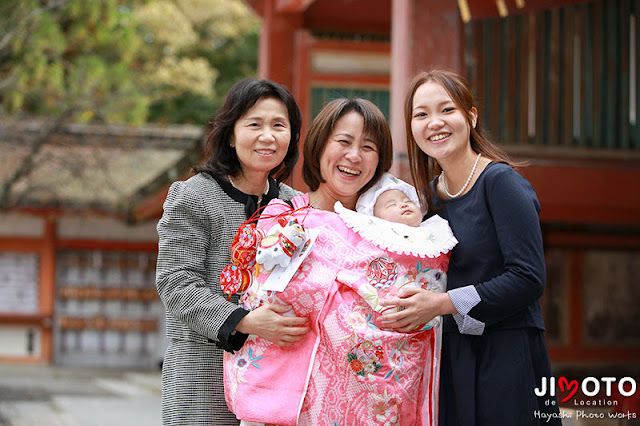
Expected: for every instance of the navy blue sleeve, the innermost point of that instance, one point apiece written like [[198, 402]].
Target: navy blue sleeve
[[514, 208]]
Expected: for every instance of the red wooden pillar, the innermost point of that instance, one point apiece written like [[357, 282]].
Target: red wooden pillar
[[425, 34], [282, 55], [277, 37], [47, 287], [302, 92]]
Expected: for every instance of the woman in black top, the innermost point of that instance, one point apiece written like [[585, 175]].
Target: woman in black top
[[253, 140], [494, 354]]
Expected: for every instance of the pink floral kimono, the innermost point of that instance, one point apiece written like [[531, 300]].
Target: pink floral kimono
[[347, 370]]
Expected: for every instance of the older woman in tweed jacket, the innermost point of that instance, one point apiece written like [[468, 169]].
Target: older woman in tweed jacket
[[253, 140]]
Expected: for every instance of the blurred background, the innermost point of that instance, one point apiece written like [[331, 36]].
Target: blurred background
[[104, 103]]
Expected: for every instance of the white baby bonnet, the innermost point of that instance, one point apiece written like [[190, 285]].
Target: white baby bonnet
[[367, 200], [431, 239]]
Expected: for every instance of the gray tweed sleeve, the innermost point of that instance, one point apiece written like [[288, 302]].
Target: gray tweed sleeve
[[190, 253]]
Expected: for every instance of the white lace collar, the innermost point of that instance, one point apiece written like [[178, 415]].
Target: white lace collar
[[431, 239]]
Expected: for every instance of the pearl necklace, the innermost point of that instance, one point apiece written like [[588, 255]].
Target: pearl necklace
[[444, 182], [266, 188]]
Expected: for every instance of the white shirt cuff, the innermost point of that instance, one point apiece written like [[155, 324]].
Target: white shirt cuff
[[464, 299]]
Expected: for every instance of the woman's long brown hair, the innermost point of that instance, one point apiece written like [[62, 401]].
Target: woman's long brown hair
[[425, 168]]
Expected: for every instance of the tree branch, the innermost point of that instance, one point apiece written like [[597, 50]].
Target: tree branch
[[28, 163], [5, 40]]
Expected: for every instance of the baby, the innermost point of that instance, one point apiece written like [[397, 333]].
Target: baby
[[389, 215], [354, 261], [391, 199], [395, 206]]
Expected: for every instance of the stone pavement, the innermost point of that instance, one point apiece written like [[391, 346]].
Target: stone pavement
[[40, 395]]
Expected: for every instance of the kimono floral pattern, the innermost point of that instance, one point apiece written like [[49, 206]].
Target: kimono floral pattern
[[248, 357], [347, 370], [365, 358], [422, 275], [385, 409]]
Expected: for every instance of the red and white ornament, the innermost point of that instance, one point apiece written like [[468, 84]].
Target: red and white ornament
[[243, 248], [382, 272], [235, 280]]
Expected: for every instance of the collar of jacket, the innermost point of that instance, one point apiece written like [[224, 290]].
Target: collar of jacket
[[250, 202]]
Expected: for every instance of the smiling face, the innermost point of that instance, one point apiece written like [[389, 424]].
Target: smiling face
[[261, 136], [440, 128], [395, 206], [348, 162]]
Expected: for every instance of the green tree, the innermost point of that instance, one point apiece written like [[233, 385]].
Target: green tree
[[222, 33], [72, 55], [123, 61]]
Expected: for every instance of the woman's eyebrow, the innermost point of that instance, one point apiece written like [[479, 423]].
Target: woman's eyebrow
[[439, 104], [347, 135]]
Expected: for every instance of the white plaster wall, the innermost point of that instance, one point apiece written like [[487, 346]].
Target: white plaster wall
[[351, 63], [19, 277], [21, 225], [102, 228], [14, 341]]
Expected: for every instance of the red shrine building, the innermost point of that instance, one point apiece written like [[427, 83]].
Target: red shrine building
[[557, 84]]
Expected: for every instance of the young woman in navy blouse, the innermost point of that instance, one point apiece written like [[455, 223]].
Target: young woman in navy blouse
[[494, 353]]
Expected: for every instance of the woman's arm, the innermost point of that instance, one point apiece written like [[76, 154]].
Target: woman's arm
[[419, 306], [268, 322], [186, 234], [514, 211]]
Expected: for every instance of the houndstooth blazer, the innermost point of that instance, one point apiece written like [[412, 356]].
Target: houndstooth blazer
[[201, 217]]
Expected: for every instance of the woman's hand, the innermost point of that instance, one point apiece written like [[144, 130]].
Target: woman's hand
[[269, 323], [418, 306]]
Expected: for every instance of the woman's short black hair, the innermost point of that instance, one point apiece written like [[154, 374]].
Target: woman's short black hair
[[220, 158]]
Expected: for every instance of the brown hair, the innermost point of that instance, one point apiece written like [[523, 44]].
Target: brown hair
[[375, 125], [425, 168]]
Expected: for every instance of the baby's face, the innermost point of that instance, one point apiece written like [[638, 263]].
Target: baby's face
[[395, 206]]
